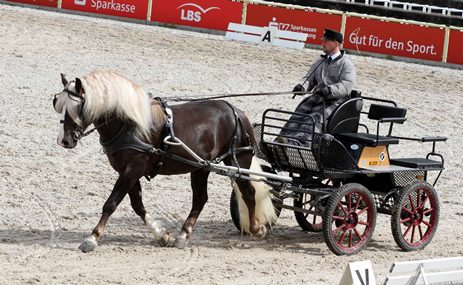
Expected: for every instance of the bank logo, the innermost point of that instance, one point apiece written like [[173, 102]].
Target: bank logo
[[80, 2], [189, 11]]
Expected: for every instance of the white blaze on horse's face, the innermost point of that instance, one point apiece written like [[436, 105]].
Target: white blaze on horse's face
[[70, 107]]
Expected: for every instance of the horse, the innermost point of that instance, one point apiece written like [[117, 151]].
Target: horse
[[133, 129]]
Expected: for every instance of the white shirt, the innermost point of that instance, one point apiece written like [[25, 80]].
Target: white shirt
[[335, 55]]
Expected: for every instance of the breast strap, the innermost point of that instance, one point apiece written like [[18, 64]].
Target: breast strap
[[126, 139]]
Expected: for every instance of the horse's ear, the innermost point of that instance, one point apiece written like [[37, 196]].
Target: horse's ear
[[64, 80], [79, 88]]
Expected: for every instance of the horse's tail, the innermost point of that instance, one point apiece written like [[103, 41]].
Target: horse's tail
[[264, 210]]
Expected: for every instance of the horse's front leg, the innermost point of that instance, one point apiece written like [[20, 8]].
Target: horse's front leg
[[122, 187], [160, 234], [199, 186]]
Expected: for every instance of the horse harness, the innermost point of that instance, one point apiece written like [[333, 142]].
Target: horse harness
[[127, 139]]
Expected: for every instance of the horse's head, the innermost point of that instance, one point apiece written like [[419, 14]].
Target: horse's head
[[70, 103]]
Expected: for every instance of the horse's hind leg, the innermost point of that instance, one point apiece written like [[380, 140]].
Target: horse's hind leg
[[199, 186], [160, 234], [248, 196], [254, 200]]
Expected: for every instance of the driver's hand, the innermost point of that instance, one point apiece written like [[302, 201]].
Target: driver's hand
[[297, 89], [324, 92]]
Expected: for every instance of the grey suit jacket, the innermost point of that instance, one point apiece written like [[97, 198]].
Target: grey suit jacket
[[339, 75]]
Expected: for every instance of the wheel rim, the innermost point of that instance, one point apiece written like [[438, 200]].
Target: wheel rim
[[354, 220], [418, 216]]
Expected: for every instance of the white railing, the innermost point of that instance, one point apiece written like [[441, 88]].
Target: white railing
[[429, 9]]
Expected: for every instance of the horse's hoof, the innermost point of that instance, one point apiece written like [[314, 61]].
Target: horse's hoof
[[262, 232], [164, 240], [88, 245], [180, 242]]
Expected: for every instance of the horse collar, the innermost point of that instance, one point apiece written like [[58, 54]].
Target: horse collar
[[126, 139]]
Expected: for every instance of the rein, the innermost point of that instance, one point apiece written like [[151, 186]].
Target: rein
[[219, 96], [80, 134]]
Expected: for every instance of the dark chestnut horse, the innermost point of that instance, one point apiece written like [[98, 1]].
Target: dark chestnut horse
[[130, 122]]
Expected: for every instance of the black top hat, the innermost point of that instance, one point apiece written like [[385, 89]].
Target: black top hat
[[332, 35]]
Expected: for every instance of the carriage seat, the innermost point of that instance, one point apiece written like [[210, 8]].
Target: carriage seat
[[382, 114], [419, 163], [345, 118], [367, 139]]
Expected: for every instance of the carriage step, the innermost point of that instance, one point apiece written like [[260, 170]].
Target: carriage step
[[419, 163]]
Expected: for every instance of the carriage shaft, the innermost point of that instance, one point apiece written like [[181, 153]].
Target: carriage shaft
[[233, 171]]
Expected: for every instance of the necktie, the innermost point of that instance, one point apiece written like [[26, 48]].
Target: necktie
[[329, 59]]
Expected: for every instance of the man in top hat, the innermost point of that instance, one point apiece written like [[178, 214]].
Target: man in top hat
[[331, 78]]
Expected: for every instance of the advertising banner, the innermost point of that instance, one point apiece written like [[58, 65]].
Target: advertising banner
[[455, 52], [209, 14], [47, 3], [393, 38], [299, 21], [136, 9]]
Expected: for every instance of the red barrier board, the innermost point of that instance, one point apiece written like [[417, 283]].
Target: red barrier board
[[301, 21], [47, 3], [455, 52], [393, 38], [136, 9], [209, 14]]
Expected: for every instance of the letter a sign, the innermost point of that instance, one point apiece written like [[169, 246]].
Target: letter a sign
[[267, 35], [358, 273]]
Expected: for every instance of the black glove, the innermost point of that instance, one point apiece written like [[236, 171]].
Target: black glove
[[323, 92], [298, 88]]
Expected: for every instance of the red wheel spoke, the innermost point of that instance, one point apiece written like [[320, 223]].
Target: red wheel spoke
[[338, 218], [349, 203], [357, 234], [413, 233], [405, 220], [364, 223], [350, 238], [424, 201], [341, 228], [407, 230], [407, 210], [342, 208], [358, 203], [418, 198], [421, 232], [411, 202], [426, 223], [342, 237], [428, 211], [362, 211]]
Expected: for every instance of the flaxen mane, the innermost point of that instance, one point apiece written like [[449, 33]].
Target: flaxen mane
[[108, 93]]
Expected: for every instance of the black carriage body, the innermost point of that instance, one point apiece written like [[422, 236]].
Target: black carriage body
[[341, 178], [336, 154]]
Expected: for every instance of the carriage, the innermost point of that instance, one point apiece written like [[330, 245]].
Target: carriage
[[338, 178], [341, 178]]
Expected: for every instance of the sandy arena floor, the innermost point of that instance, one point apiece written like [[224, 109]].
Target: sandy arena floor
[[51, 198]]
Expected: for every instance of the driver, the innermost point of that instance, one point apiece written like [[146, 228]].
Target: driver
[[330, 78]]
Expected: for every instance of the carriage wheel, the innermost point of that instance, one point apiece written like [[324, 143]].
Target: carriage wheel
[[349, 219], [415, 216], [235, 214], [308, 222]]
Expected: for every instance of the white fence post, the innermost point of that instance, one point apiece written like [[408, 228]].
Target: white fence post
[[446, 44]]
